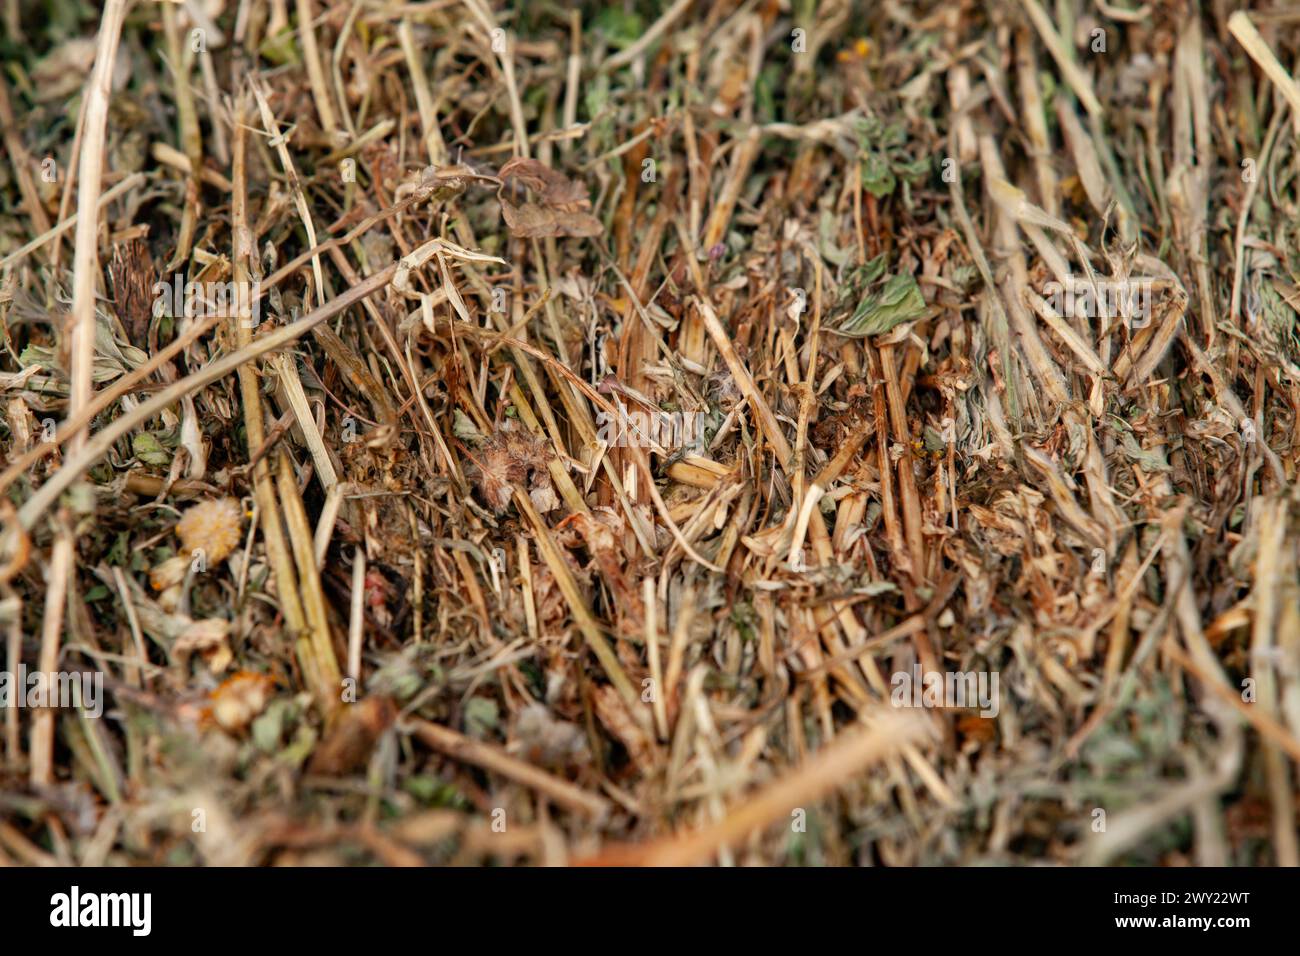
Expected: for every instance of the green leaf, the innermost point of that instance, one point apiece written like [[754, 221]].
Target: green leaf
[[622, 28], [1152, 459], [280, 49], [119, 554], [464, 428], [300, 748], [37, 355], [149, 450], [828, 230], [877, 177], [269, 727], [897, 302], [481, 716], [870, 272]]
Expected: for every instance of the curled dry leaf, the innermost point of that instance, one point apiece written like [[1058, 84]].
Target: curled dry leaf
[[434, 184], [544, 498], [614, 715], [552, 606], [169, 573], [601, 531], [61, 72], [561, 207], [548, 741], [209, 639]]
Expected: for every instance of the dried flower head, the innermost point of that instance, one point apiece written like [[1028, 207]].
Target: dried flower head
[[510, 457], [212, 527], [237, 700]]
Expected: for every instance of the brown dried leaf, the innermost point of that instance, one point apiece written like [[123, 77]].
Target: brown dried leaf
[[352, 736], [209, 638], [614, 715], [133, 277], [562, 207], [530, 221], [554, 189], [602, 531]]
